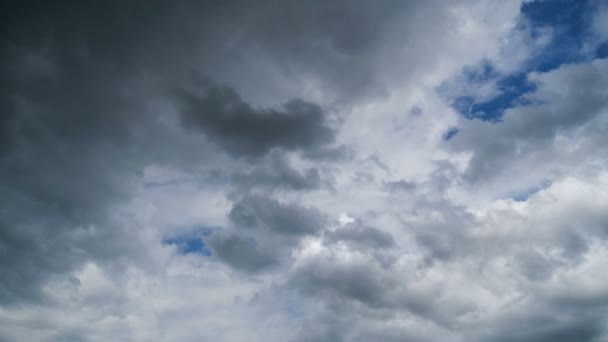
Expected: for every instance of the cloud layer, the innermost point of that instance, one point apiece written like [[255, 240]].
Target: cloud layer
[[319, 171]]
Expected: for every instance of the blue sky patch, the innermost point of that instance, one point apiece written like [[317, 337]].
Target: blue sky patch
[[450, 133], [524, 195], [189, 245], [511, 90], [602, 50], [568, 20], [190, 242]]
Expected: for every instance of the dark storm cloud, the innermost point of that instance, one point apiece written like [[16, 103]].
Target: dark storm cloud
[[113, 34], [331, 39], [67, 154], [246, 131], [334, 44], [76, 131], [75, 135]]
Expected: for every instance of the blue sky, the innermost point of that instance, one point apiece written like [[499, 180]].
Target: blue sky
[[567, 21], [190, 241], [188, 244]]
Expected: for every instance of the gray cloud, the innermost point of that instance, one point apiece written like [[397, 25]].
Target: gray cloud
[[400, 186], [65, 169], [337, 153], [78, 131], [245, 131], [362, 235], [373, 288], [547, 327], [242, 253], [264, 232], [258, 212], [358, 282], [97, 97], [276, 173]]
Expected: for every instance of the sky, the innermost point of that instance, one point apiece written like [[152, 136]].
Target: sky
[[304, 171]]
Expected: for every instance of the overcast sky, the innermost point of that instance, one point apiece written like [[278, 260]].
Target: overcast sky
[[299, 171]]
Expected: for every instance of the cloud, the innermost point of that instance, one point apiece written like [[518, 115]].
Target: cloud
[[358, 234], [277, 173], [264, 232], [291, 172], [65, 170], [242, 253], [79, 130], [565, 107], [257, 212], [245, 131]]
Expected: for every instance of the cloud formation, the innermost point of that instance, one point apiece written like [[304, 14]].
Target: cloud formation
[[327, 171], [243, 130]]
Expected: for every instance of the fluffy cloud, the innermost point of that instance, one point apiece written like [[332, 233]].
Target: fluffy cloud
[[562, 126], [242, 130], [286, 172]]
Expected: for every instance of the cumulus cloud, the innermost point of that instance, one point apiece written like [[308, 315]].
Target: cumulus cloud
[[327, 171], [564, 116], [243, 130]]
